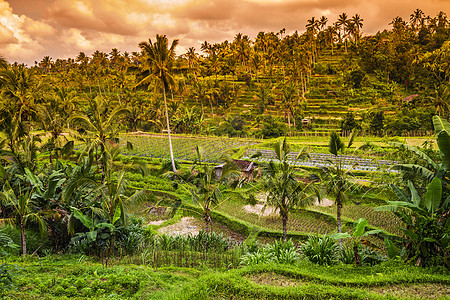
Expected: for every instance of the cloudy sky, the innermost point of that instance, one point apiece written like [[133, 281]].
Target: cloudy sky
[[32, 29]]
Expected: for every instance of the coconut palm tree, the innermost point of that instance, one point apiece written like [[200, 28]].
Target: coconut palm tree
[[207, 188], [330, 36], [323, 22], [158, 59], [20, 94], [336, 176], [342, 25], [357, 23], [100, 124], [285, 191], [53, 115], [416, 19]]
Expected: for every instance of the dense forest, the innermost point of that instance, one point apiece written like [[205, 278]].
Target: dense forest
[[99, 154]]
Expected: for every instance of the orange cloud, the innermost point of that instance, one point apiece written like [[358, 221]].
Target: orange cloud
[[88, 25]]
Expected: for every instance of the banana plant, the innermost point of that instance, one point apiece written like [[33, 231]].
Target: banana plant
[[426, 216], [93, 226], [358, 234], [427, 227], [432, 169]]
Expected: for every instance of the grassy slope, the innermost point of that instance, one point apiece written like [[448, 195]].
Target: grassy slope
[[59, 277]]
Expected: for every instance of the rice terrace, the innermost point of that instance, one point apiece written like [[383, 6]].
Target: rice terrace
[[311, 162]]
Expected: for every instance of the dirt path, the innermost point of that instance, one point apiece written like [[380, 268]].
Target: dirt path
[[187, 226]]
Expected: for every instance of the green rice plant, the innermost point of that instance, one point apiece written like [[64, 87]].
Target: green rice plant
[[321, 250]]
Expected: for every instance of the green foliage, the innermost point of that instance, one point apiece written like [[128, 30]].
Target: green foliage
[[271, 128], [280, 252], [349, 123], [356, 78], [321, 250], [407, 120]]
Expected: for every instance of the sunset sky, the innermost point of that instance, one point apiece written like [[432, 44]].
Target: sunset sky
[[32, 29]]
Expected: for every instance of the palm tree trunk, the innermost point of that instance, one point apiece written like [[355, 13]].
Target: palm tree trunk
[[207, 219], [23, 239], [289, 123], [338, 218], [284, 219], [168, 130]]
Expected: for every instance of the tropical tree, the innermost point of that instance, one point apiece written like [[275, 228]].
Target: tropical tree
[[100, 125], [24, 210], [356, 23], [20, 94], [426, 219], [341, 24], [426, 216], [284, 190], [336, 175], [330, 36], [430, 169], [157, 64], [112, 197], [53, 115], [416, 20], [207, 188]]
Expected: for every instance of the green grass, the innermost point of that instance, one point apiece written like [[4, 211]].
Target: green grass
[[63, 277]]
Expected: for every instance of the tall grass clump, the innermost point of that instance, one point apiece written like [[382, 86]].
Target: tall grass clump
[[281, 252], [321, 250]]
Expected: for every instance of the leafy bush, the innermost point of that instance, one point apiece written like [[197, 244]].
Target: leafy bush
[[283, 252], [321, 250], [279, 252], [6, 270], [346, 255], [371, 257], [271, 128], [349, 122]]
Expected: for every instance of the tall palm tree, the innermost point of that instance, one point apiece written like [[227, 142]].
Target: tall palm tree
[[158, 60], [46, 64], [342, 25], [336, 175], [285, 191], [357, 23], [416, 19], [53, 115], [330, 36], [323, 22], [20, 94]]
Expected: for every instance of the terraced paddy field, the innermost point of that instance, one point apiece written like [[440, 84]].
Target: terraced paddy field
[[157, 146], [317, 219], [217, 148], [78, 277]]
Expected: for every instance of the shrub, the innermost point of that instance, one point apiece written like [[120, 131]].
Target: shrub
[[279, 252], [321, 250], [271, 128]]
